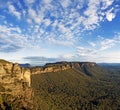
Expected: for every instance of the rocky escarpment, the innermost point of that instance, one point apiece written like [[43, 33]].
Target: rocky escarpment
[[13, 69], [14, 86], [15, 80], [60, 66], [8, 68]]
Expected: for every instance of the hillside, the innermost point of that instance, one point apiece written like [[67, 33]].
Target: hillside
[[84, 86], [58, 86]]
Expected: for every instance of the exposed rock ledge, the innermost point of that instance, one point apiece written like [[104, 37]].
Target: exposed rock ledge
[[25, 73], [15, 81]]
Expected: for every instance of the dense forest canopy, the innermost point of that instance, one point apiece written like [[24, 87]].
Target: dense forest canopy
[[84, 86]]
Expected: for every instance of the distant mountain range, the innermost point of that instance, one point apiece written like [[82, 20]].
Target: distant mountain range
[[109, 64], [26, 65]]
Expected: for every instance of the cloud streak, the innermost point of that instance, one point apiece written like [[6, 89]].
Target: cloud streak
[[40, 60], [13, 11], [11, 39]]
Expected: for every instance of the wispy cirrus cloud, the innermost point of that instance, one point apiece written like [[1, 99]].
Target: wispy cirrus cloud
[[30, 1], [59, 42], [62, 23], [61, 20], [106, 3], [85, 52], [47, 1], [65, 3], [35, 60], [107, 43], [41, 60], [55, 18], [11, 39], [92, 44], [13, 11], [33, 16], [99, 50]]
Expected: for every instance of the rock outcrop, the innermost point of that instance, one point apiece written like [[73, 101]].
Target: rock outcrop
[[13, 69], [61, 66], [15, 86], [15, 80], [25, 73]]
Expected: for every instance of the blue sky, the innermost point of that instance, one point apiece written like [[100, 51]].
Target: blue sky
[[40, 31]]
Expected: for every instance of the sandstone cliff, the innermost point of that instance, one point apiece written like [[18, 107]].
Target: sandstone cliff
[[21, 73], [14, 88], [15, 80], [60, 66]]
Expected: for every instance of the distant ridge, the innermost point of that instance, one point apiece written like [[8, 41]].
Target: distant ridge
[[109, 64], [26, 65]]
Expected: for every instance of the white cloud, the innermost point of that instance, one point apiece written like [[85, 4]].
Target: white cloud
[[108, 10], [29, 21], [107, 43], [55, 23], [85, 52], [65, 3], [101, 52], [47, 22], [80, 4], [47, 1], [30, 1], [110, 15], [13, 11], [92, 19], [62, 28], [96, 13], [11, 39], [59, 42], [106, 3], [36, 29], [109, 57], [36, 17], [58, 22], [92, 44], [32, 13], [68, 56], [8, 29]]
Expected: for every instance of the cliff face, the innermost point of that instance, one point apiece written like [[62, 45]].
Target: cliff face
[[15, 81], [13, 69], [61, 66], [14, 87], [21, 73], [50, 68]]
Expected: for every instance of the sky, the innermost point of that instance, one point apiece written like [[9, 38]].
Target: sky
[[42, 31]]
